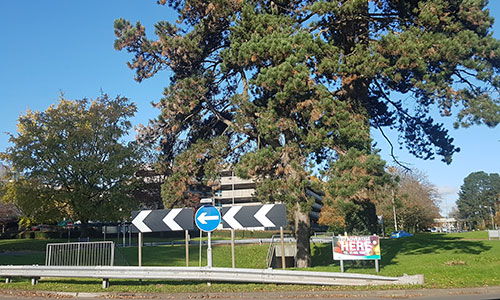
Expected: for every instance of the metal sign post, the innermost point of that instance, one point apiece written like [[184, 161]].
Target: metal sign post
[[208, 219], [209, 250]]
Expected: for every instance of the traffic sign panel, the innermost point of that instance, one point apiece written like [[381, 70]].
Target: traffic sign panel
[[176, 219], [207, 218], [267, 216]]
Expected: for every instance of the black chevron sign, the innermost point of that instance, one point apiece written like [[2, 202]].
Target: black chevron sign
[[267, 216], [176, 219]]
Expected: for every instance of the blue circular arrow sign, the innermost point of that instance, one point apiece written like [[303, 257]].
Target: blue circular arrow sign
[[207, 218]]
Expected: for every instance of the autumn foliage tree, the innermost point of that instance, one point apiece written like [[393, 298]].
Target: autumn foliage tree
[[284, 88], [70, 161], [413, 197]]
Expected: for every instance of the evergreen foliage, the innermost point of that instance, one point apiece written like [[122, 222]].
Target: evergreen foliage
[[478, 198], [283, 88]]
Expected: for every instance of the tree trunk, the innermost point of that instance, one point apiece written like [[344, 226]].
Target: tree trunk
[[303, 235], [84, 229]]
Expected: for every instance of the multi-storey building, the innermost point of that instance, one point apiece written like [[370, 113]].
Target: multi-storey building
[[234, 190]]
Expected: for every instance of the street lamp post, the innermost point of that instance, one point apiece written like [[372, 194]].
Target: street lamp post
[[394, 211]]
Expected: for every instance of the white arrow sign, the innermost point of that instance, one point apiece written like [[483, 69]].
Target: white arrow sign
[[169, 219], [261, 215], [138, 221], [203, 218], [229, 217]]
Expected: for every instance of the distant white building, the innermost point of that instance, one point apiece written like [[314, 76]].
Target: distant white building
[[447, 224], [234, 190]]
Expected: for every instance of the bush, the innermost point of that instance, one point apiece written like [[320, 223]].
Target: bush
[[40, 235]]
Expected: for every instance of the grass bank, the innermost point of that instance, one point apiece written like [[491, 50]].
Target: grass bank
[[446, 260]]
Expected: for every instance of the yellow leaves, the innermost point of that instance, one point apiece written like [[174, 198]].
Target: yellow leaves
[[331, 216]]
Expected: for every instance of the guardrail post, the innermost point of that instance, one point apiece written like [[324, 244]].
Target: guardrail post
[[8, 280], [105, 283], [34, 280]]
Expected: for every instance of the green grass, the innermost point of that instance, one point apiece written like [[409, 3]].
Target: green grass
[[446, 260]]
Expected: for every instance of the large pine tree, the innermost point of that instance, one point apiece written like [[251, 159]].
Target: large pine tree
[[284, 88]]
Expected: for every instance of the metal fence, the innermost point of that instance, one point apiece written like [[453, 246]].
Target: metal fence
[[80, 254]]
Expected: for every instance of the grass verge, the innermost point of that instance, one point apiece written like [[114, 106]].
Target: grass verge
[[446, 260]]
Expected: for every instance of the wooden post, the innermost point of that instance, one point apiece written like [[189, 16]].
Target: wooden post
[[232, 249], [283, 262], [139, 244], [201, 236], [140, 249], [187, 248]]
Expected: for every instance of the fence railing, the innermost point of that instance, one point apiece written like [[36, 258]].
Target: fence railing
[[80, 254], [275, 242]]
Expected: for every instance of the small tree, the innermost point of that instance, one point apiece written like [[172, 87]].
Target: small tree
[[69, 161]]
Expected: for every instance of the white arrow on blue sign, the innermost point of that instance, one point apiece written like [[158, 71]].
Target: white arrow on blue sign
[[207, 218]]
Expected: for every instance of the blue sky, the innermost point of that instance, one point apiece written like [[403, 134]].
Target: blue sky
[[57, 46]]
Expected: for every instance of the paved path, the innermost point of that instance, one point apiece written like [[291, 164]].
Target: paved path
[[481, 293]]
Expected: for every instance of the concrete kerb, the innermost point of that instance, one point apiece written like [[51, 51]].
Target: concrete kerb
[[406, 293]]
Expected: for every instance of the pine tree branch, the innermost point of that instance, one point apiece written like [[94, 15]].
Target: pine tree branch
[[392, 148]]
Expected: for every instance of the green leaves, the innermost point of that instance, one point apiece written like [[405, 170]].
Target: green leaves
[[285, 89], [69, 161], [478, 197]]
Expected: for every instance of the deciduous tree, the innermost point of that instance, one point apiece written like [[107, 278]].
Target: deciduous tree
[[415, 198], [69, 160]]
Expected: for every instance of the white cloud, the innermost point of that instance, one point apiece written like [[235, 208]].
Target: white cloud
[[447, 190]]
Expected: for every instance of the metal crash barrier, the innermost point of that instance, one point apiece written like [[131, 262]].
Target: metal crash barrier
[[204, 274]]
